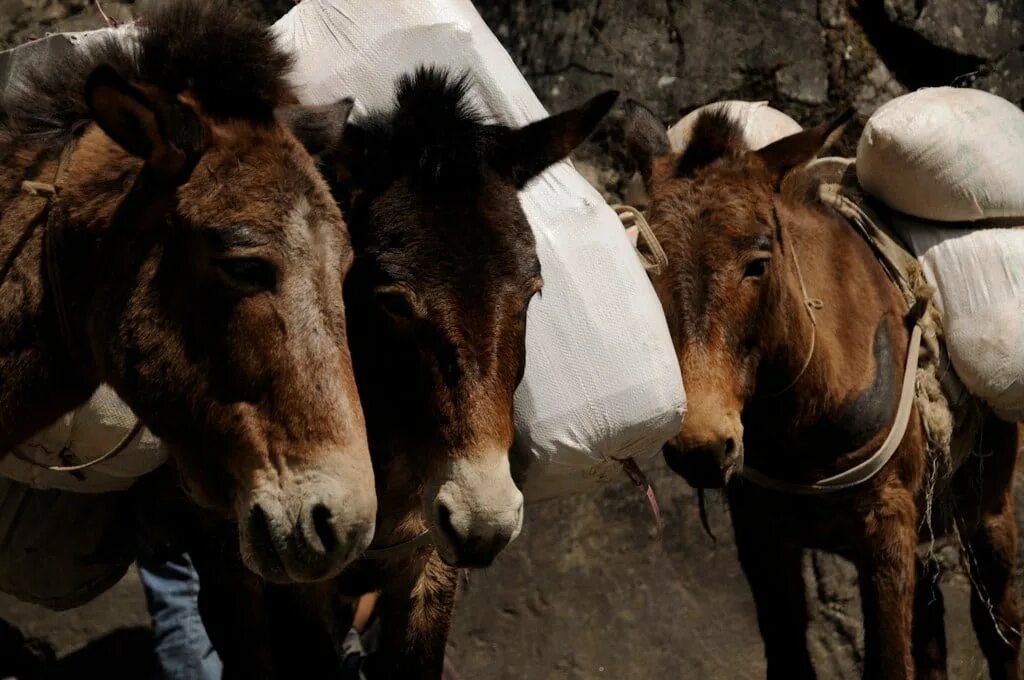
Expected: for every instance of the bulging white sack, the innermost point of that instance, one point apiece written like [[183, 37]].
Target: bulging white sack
[[79, 437], [945, 154], [979, 277], [601, 381], [761, 124]]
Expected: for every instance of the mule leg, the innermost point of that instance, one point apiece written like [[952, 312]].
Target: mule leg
[[887, 581], [929, 630], [987, 489], [774, 571], [997, 623], [415, 611]]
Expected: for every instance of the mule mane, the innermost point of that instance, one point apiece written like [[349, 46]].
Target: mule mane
[[715, 135], [433, 132], [225, 59]]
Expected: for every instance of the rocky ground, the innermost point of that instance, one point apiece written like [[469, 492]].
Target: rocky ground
[[587, 592]]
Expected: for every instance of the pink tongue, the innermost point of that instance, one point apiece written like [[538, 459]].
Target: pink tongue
[[639, 479]]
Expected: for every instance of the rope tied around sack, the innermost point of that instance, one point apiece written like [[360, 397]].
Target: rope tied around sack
[[631, 217]]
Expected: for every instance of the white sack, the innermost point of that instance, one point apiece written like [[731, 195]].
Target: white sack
[[601, 379], [979, 276], [945, 154], [761, 124], [81, 436]]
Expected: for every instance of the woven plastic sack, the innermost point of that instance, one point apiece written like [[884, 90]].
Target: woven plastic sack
[[761, 124], [601, 381], [81, 436], [979, 277], [945, 154], [62, 549]]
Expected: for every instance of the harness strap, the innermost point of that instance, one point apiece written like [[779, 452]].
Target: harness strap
[[864, 471], [402, 547]]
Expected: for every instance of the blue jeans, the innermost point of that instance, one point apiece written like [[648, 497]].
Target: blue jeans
[[183, 648]]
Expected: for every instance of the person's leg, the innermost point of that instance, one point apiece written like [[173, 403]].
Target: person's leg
[[183, 648]]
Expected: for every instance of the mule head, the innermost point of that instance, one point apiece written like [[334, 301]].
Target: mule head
[[715, 208], [218, 314], [446, 265]]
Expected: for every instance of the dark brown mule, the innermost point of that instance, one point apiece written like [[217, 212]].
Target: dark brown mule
[[737, 246], [193, 259], [445, 268]]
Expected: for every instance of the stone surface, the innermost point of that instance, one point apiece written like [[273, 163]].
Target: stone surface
[[587, 592]]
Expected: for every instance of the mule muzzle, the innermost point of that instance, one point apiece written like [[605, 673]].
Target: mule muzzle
[[309, 532], [708, 465], [476, 512]]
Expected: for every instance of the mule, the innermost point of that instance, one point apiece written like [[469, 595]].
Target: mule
[[192, 257], [436, 301], [800, 396]]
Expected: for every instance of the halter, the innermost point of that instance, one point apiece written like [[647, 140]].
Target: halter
[[50, 244], [401, 548]]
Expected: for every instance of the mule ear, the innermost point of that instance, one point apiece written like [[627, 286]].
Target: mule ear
[[525, 153], [646, 137], [163, 131], [319, 128], [797, 149]]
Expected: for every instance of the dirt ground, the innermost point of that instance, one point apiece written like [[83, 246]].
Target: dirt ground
[[587, 591]]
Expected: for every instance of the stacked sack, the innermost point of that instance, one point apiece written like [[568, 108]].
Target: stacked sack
[[602, 383], [950, 163]]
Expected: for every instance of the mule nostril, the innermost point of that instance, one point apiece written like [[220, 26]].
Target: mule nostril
[[321, 516], [259, 527], [444, 522], [730, 447]]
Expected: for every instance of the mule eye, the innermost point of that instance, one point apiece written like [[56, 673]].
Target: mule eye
[[757, 268], [250, 274], [395, 302]]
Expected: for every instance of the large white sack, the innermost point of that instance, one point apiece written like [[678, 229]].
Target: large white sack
[[601, 381], [761, 124], [946, 154], [979, 277], [81, 436]]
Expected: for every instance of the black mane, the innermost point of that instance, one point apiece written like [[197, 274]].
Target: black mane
[[433, 132], [715, 135], [226, 59]]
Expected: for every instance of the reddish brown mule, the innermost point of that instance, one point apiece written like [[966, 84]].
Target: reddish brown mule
[[738, 246], [193, 259], [445, 268]]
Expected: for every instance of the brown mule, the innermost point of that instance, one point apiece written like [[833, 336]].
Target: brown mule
[[445, 268], [192, 258], [742, 253]]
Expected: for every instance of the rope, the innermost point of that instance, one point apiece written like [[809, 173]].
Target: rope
[[631, 217], [811, 305], [118, 448]]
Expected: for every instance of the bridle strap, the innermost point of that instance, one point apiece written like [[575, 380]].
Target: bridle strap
[[402, 547]]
